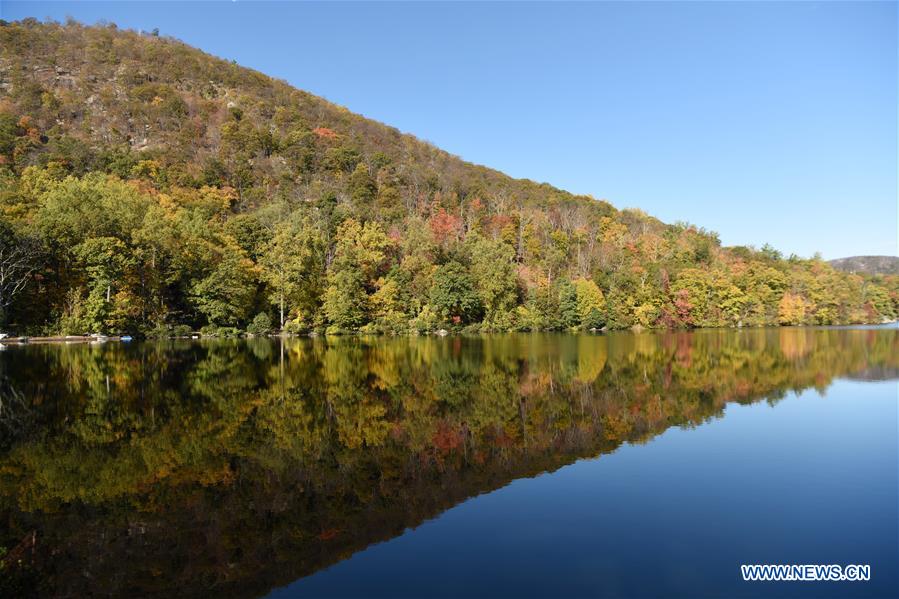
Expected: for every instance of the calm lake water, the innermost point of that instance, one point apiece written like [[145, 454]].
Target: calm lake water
[[512, 465]]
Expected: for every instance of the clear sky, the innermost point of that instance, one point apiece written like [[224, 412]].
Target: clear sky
[[764, 121]]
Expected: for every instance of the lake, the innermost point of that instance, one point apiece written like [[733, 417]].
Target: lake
[[620, 465]]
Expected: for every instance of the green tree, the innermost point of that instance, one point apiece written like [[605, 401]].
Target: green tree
[[225, 294], [363, 189], [493, 272], [361, 257], [292, 266], [106, 261], [569, 314], [453, 295], [346, 300]]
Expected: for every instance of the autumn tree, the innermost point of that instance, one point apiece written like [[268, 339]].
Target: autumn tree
[[493, 274], [792, 309], [590, 304], [292, 266], [361, 256]]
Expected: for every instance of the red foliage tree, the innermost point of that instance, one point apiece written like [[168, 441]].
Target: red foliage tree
[[444, 226]]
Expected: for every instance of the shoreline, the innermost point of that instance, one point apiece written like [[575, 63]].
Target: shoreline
[[78, 339], [25, 340]]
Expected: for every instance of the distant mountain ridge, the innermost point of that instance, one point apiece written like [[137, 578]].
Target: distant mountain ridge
[[869, 265]]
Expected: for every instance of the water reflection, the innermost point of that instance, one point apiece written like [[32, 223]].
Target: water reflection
[[236, 466]]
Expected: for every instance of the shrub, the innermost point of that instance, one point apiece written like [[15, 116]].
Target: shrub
[[216, 331], [393, 323], [166, 331], [426, 321], [261, 325], [296, 327]]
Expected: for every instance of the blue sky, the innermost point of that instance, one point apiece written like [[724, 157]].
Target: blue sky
[[764, 121]]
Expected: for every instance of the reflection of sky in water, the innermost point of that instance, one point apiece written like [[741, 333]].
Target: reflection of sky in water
[[810, 480]]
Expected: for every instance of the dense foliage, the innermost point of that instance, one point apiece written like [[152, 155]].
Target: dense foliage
[[148, 187]]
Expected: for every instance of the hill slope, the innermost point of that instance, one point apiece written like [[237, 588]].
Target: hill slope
[[869, 265], [148, 185]]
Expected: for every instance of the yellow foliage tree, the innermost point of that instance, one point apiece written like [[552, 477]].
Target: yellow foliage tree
[[590, 300], [792, 309]]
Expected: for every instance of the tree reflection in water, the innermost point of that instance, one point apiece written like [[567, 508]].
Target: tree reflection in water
[[241, 465]]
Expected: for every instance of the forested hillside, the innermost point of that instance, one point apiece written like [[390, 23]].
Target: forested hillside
[[151, 188]]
